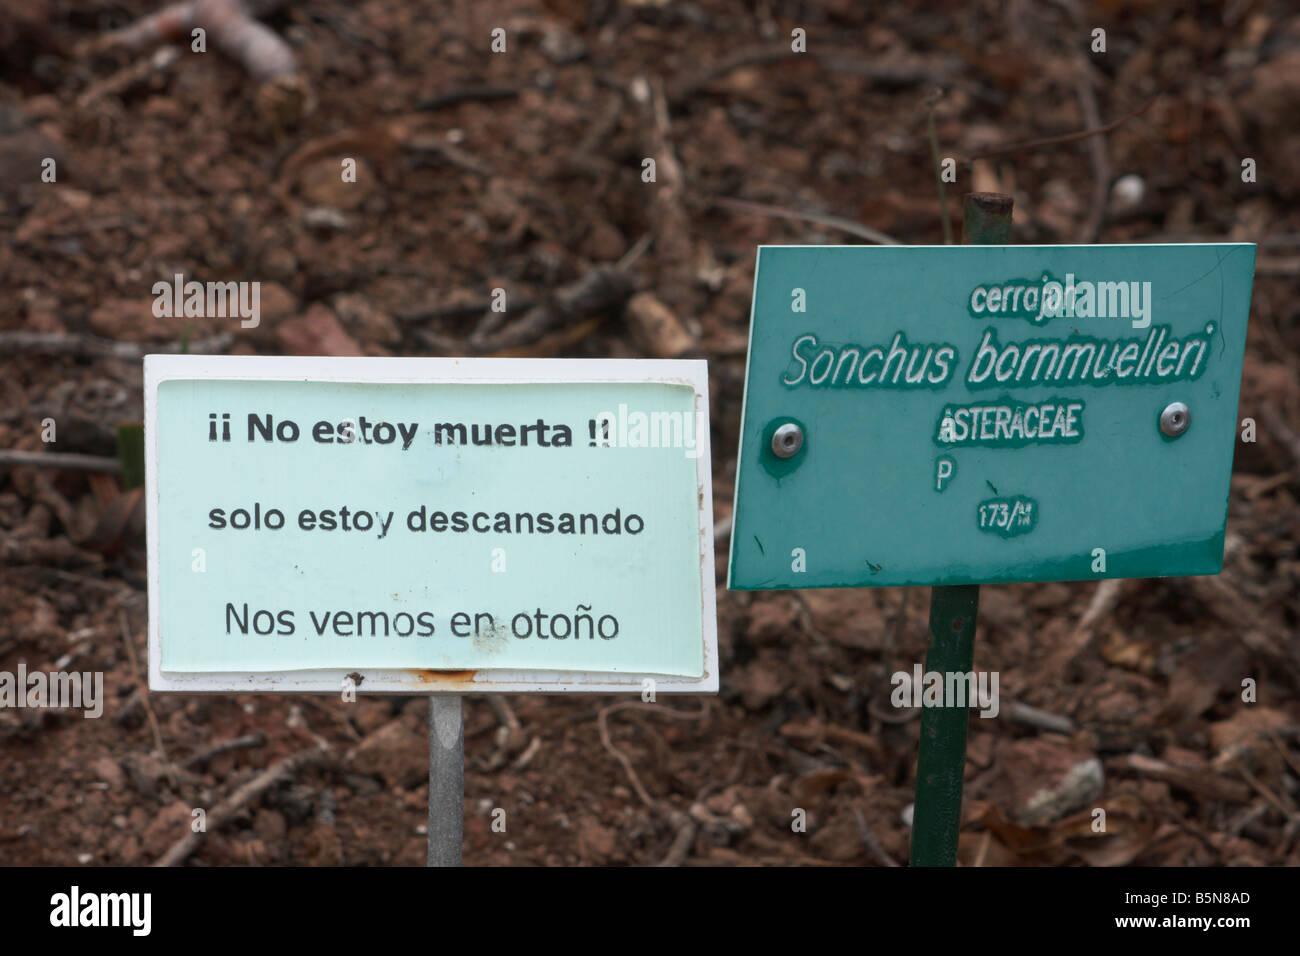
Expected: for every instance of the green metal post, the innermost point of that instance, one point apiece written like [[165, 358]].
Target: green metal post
[[936, 819], [986, 219]]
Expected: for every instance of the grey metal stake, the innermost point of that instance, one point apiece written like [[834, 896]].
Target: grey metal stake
[[446, 779]]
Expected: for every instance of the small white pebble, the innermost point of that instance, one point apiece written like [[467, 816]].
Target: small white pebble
[[907, 814], [84, 858], [1128, 191], [841, 682]]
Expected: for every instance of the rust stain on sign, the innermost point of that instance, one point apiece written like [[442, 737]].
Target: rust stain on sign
[[452, 677]]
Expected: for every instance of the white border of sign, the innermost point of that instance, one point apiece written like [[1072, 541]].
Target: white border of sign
[[482, 371]]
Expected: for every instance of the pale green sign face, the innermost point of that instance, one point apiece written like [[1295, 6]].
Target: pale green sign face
[[477, 526], [973, 414]]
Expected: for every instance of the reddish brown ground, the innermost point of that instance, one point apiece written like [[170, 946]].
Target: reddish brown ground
[[175, 172]]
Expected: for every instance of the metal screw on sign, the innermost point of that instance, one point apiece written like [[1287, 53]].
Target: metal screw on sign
[[787, 440], [936, 820], [1175, 419]]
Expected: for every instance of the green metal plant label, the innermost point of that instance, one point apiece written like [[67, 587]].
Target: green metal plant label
[[977, 414]]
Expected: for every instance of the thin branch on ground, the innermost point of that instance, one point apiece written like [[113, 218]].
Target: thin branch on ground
[[231, 807], [832, 222], [245, 742], [92, 346], [143, 688], [59, 459], [1032, 144], [684, 827], [1091, 227]]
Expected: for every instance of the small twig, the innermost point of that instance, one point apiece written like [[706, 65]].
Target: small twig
[[601, 288], [247, 741], [623, 759], [509, 722], [583, 157], [932, 101], [509, 735], [1247, 818], [1103, 602], [907, 715], [721, 530], [1204, 782], [1058, 140], [1277, 266], [836, 734], [1265, 792], [635, 251], [1291, 761], [49, 496], [679, 92], [468, 94], [1281, 430], [283, 95], [682, 841], [682, 823], [1041, 719], [90, 346], [230, 25], [603, 719], [232, 805], [144, 692], [674, 241], [44, 552], [59, 459], [895, 629], [455, 311], [806, 618], [331, 714], [870, 842], [525, 758], [1091, 227], [114, 586], [129, 76], [450, 154], [832, 222], [896, 72]]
